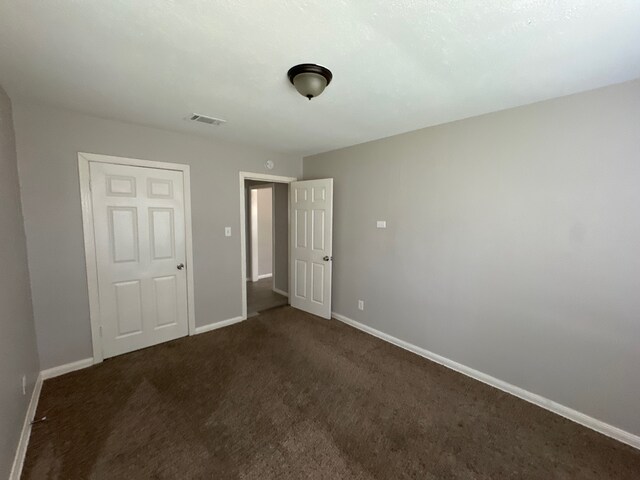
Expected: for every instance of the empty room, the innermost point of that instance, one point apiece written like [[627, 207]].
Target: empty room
[[320, 239]]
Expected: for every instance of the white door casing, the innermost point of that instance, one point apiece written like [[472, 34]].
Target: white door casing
[[311, 246], [140, 253]]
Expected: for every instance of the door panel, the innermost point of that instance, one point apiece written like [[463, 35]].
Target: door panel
[[139, 227], [317, 280], [311, 245], [166, 294], [301, 229], [128, 307], [162, 233], [121, 186], [123, 233], [318, 230], [300, 278]]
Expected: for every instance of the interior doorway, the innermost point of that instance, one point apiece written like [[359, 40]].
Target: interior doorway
[[265, 241], [267, 245]]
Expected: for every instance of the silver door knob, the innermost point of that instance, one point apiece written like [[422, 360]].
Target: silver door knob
[[326, 258], [180, 266]]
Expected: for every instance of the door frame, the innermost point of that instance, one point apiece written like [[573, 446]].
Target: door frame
[[262, 177], [84, 159]]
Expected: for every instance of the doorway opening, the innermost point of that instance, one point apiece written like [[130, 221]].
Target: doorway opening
[[265, 238], [267, 245]]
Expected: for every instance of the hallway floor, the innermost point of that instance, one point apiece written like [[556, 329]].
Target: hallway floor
[[261, 297]]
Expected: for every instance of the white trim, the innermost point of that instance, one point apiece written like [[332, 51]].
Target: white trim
[[133, 162], [243, 235], [66, 368], [89, 238], [90, 256], [265, 275], [23, 443], [220, 324], [273, 233], [191, 299], [281, 292], [566, 412]]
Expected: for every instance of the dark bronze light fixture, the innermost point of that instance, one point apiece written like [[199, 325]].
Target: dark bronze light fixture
[[309, 79]]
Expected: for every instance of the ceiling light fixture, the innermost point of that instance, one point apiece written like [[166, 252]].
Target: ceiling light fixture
[[309, 79]]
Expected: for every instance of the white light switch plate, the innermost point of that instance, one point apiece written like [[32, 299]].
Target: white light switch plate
[[227, 231], [381, 224]]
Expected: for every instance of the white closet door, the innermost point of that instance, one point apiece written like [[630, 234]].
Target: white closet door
[[311, 246], [139, 227]]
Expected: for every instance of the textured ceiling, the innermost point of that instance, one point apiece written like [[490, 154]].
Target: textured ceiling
[[398, 65]]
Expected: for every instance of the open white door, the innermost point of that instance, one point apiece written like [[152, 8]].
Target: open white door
[[311, 246]]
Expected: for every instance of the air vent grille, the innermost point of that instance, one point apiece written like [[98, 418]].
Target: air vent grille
[[196, 117]]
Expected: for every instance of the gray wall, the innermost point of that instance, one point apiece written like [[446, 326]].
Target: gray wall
[[18, 353], [265, 231], [512, 247], [48, 141], [281, 236]]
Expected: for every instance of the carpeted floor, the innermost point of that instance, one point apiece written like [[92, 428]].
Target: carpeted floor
[[286, 395]]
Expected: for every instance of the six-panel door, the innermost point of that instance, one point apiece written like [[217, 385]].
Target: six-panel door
[[139, 227], [311, 246]]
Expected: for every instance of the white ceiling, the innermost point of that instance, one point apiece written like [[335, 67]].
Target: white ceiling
[[398, 65]]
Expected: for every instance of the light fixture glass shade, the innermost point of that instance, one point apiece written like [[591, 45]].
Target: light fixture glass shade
[[309, 84]]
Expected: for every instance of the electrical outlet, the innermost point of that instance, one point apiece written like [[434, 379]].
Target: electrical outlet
[[360, 304], [24, 384], [381, 224], [227, 231]]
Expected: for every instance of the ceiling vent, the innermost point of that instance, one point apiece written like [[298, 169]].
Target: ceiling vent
[[196, 117]]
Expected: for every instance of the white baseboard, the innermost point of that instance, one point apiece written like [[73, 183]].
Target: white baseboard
[[566, 412], [265, 275], [216, 325], [281, 292], [66, 368], [21, 451]]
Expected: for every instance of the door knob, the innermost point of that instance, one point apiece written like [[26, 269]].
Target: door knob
[[180, 266], [326, 258]]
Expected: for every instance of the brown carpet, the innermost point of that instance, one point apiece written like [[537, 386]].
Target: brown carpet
[[286, 395]]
